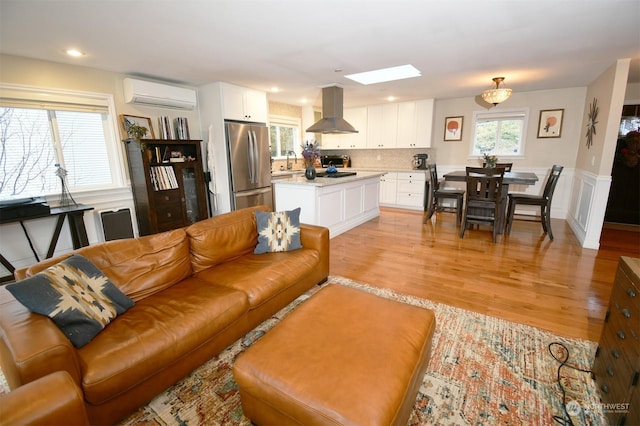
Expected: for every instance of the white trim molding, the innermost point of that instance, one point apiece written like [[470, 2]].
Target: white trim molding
[[588, 206]]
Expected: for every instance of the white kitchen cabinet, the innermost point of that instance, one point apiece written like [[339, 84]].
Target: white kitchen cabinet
[[243, 104], [407, 124], [415, 123], [338, 204], [410, 189], [424, 123], [357, 117], [388, 184], [403, 190], [382, 126]]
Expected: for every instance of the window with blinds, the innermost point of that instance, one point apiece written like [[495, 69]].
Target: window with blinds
[[72, 131], [499, 133]]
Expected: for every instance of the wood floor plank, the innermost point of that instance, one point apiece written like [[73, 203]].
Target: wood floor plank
[[525, 277]]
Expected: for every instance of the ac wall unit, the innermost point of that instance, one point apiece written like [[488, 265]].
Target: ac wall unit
[[159, 95]]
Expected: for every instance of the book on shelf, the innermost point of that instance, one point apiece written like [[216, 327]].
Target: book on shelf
[[181, 126], [166, 128], [163, 178]]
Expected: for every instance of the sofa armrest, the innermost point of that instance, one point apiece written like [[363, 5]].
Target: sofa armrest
[[316, 238], [51, 400], [31, 345]]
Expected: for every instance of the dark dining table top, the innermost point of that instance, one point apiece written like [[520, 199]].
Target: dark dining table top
[[515, 178]]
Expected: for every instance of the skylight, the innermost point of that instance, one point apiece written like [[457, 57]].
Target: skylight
[[385, 74]]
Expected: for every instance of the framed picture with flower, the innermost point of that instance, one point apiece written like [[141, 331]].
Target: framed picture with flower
[[550, 124], [453, 128]]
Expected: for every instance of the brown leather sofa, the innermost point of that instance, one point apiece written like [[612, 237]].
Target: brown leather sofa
[[196, 291]]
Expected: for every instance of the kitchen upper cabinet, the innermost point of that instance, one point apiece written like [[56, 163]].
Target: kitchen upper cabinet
[[382, 126], [414, 124], [357, 117], [424, 122], [407, 125], [243, 104]]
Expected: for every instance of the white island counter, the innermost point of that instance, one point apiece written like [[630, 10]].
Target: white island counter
[[337, 203]]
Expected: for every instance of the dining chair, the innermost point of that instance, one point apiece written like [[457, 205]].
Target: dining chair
[[438, 194], [507, 166], [484, 197], [544, 201]]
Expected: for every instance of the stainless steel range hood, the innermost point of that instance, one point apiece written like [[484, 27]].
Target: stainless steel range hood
[[332, 121]]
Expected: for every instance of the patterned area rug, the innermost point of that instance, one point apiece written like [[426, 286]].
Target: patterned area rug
[[483, 371]]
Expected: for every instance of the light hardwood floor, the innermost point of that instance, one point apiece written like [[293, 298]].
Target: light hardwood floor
[[526, 278]]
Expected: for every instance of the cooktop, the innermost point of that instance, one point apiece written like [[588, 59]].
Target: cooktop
[[335, 175]]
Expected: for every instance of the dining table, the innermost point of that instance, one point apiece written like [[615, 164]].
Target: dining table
[[510, 178]]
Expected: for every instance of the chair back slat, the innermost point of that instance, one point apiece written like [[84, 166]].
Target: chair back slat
[[484, 184], [550, 186]]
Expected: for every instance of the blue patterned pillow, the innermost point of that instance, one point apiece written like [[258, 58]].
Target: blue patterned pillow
[[75, 294], [278, 231]]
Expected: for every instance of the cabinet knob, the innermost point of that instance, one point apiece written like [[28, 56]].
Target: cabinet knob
[[168, 214], [621, 334], [631, 292], [604, 388], [626, 313], [615, 353], [610, 371]]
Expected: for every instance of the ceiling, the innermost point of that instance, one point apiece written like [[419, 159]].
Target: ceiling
[[303, 45]]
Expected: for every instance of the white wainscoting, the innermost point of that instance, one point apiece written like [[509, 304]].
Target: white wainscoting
[[588, 205]]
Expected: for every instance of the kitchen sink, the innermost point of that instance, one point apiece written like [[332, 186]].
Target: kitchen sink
[[335, 175]]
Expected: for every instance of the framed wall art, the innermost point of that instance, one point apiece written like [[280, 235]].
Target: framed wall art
[[550, 124], [128, 120], [453, 128]]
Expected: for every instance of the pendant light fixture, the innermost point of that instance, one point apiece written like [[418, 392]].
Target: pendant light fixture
[[497, 93]]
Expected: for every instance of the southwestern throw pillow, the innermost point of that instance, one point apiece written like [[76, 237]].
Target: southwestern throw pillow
[[76, 295], [278, 231]]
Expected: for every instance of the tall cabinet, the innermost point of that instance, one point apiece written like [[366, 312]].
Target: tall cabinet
[[616, 368], [168, 184]]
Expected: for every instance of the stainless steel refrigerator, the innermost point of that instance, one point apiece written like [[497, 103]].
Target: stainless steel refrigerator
[[249, 164]]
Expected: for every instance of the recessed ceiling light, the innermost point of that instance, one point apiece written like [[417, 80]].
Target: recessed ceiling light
[[385, 74], [275, 89], [75, 53], [391, 98]]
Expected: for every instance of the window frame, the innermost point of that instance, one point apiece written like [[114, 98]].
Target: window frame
[[24, 96], [287, 121], [500, 114]]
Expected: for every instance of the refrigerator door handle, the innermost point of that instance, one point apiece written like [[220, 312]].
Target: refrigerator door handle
[[253, 192], [251, 157], [256, 163]]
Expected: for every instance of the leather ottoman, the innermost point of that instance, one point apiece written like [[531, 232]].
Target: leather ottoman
[[343, 357]]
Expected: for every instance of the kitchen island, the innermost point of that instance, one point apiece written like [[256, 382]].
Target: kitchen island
[[338, 203]]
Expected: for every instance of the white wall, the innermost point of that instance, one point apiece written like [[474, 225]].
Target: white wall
[[592, 180]]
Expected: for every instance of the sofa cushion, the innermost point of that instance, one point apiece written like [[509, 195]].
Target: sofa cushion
[[139, 267], [263, 276], [278, 231], [75, 294], [223, 237], [156, 333]]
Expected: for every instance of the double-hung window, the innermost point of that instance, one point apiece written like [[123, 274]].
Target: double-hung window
[[60, 134], [499, 133], [284, 136]]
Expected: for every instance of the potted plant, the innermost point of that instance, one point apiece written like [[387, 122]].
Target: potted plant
[[490, 160], [310, 154], [136, 133]]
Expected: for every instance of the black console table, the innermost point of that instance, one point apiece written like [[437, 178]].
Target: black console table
[[75, 214]]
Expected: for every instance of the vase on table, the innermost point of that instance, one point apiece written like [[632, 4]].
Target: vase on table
[[310, 172]]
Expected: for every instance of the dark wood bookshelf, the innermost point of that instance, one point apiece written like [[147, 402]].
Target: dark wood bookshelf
[[168, 183]]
